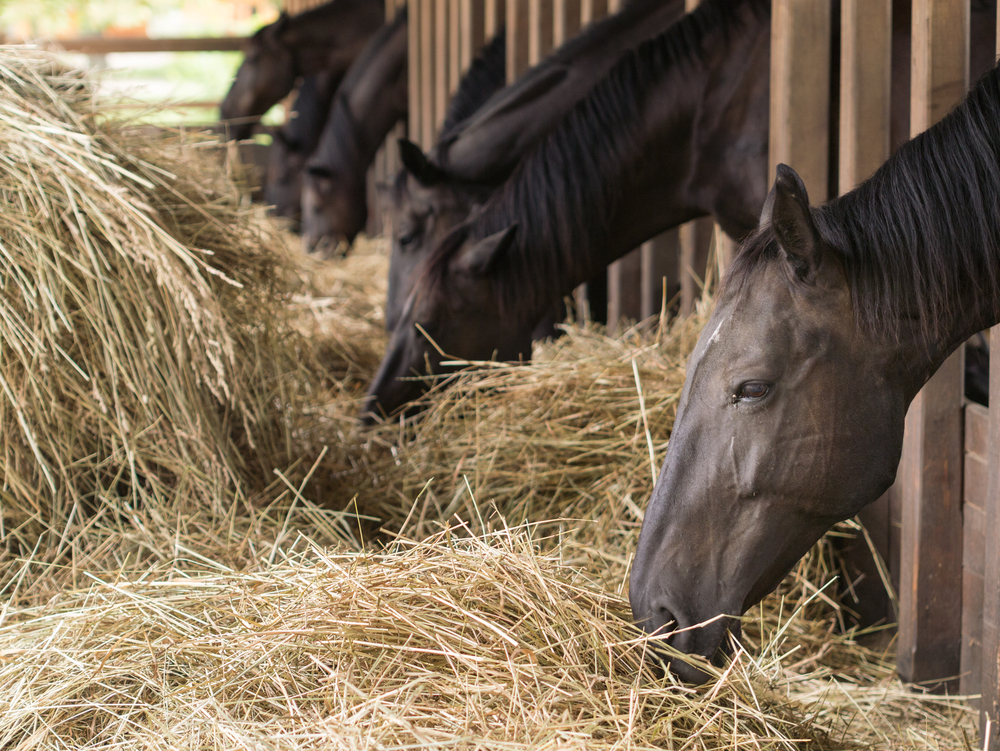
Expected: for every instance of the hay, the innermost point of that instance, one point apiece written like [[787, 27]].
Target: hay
[[150, 378], [448, 643], [189, 578]]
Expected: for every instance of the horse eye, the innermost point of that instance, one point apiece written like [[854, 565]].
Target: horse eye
[[751, 391], [409, 237]]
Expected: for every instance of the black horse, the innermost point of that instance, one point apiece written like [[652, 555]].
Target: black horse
[[828, 323], [324, 39]]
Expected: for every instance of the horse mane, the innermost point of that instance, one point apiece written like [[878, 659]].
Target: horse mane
[[564, 192], [486, 76], [922, 233]]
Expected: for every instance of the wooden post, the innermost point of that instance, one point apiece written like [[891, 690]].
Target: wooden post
[[865, 106], [931, 467], [989, 706], [692, 247], [473, 32], [539, 30], [413, 61], [565, 20], [695, 240], [625, 289], [518, 21], [592, 10], [800, 91], [425, 94], [442, 79], [496, 16], [660, 263]]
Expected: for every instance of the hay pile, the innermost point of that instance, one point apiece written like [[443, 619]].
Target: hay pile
[[150, 378], [177, 566], [452, 642]]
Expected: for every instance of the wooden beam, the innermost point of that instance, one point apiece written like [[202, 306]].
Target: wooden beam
[[865, 106], [99, 46], [800, 91], [931, 468]]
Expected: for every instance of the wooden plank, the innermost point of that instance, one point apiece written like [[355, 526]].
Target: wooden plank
[[496, 17], [989, 708], [565, 21], [473, 31], [624, 285], [518, 21], [865, 106], [931, 468], [539, 30], [592, 10], [413, 63], [975, 483], [800, 91], [865, 81], [695, 244], [660, 266], [442, 89], [426, 93], [454, 46], [931, 555]]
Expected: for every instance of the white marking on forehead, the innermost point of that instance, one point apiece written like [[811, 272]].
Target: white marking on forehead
[[715, 334]]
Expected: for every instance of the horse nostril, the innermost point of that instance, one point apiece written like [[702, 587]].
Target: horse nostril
[[663, 622]]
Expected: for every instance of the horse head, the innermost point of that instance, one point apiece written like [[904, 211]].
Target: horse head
[[453, 310], [425, 206], [790, 419], [266, 75]]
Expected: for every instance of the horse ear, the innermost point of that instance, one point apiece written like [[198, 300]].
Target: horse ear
[[417, 164], [478, 258], [787, 211]]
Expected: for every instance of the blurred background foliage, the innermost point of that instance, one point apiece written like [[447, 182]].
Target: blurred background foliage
[[177, 78]]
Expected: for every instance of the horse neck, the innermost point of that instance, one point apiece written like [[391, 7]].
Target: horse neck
[[646, 175], [359, 124], [312, 108]]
